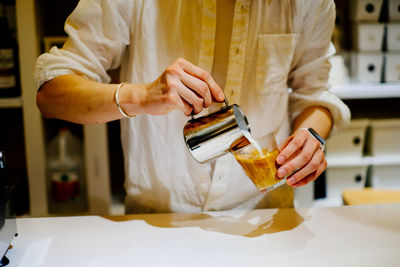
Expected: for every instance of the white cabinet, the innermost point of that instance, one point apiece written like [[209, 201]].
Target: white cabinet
[[95, 136], [351, 168]]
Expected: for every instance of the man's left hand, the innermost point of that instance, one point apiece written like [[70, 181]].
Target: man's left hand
[[301, 159]]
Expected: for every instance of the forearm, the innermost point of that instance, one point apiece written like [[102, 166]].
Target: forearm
[[316, 117], [182, 86], [76, 99]]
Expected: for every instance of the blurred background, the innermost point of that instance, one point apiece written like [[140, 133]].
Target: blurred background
[[89, 180]]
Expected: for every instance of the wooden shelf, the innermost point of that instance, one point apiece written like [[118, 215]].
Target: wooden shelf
[[14, 102], [367, 91]]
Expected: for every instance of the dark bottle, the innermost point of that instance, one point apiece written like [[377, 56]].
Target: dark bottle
[[9, 72]]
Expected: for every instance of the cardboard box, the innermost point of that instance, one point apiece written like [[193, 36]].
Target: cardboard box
[[369, 37], [386, 177], [394, 10], [367, 67], [392, 67], [393, 37], [385, 137], [340, 178], [349, 142], [365, 10]]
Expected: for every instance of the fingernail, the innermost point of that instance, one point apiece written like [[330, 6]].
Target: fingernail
[[290, 181], [281, 172], [221, 96], [281, 159]]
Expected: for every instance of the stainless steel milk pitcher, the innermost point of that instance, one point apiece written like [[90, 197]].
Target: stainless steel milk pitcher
[[212, 135]]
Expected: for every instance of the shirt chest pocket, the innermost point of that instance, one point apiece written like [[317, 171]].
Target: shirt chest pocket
[[275, 54]]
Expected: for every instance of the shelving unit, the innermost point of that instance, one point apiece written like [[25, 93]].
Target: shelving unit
[[95, 136], [367, 91], [357, 72], [363, 161]]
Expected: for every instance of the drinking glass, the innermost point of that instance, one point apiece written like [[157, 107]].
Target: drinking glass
[[260, 167]]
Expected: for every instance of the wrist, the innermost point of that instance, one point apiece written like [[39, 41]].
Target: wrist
[[131, 99]]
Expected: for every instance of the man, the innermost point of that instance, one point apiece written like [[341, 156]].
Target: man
[[175, 57]]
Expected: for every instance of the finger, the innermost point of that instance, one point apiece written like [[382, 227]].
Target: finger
[[189, 96], [309, 178], [199, 86], [312, 176], [187, 108], [177, 102], [203, 75], [282, 145], [312, 166], [295, 143], [300, 160]]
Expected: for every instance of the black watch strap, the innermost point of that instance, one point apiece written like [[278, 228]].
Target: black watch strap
[[318, 137]]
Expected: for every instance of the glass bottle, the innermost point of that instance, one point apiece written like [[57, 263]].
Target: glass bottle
[[65, 174]]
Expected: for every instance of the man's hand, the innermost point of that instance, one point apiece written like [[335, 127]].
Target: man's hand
[[302, 156], [182, 86]]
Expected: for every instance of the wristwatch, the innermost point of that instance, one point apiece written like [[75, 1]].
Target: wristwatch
[[318, 137]]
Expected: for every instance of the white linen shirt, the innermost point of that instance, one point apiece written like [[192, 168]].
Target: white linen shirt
[[275, 45]]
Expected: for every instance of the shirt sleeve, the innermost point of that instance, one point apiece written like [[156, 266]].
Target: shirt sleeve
[[98, 34], [308, 79]]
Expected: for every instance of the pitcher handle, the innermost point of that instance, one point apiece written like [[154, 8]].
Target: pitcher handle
[[226, 105]]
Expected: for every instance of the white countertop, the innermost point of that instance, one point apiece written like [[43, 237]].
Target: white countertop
[[338, 236]]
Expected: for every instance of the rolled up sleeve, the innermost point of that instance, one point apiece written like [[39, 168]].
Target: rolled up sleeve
[[98, 34], [309, 76]]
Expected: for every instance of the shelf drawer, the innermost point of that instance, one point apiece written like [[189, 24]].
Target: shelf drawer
[[394, 10], [369, 37], [367, 67], [340, 178], [385, 137], [366, 10], [386, 177], [349, 142], [393, 37], [392, 69]]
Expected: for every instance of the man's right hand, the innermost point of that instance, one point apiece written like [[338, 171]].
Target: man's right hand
[[182, 86]]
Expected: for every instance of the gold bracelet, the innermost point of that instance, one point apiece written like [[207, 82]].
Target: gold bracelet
[[117, 102]]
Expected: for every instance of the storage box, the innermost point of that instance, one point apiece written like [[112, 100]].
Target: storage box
[[386, 177], [368, 37], [392, 67], [349, 142], [393, 37], [394, 10], [385, 137], [340, 178], [367, 67], [365, 10]]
